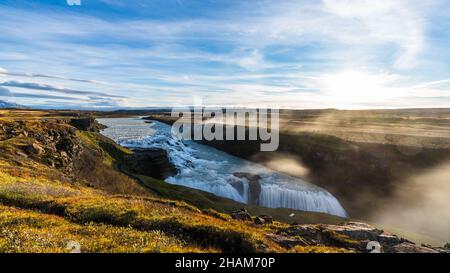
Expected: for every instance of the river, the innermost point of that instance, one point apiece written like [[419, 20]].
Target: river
[[205, 168]]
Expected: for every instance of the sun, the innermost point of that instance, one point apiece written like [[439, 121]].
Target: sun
[[358, 87]]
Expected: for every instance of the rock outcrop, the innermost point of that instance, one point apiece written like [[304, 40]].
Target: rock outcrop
[[254, 186], [237, 184], [359, 237], [87, 124], [263, 220], [35, 148], [51, 142], [241, 215], [151, 162]]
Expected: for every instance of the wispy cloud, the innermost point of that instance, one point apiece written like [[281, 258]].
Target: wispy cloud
[[46, 87], [432, 83], [343, 53], [31, 75], [382, 22], [4, 92]]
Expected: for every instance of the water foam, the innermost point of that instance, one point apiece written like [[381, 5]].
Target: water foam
[[205, 168]]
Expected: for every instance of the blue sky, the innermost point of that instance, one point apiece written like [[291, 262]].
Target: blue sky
[[106, 54]]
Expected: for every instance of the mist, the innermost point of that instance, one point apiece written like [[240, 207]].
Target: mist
[[421, 205], [287, 164]]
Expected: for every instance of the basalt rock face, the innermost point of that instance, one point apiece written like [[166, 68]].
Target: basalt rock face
[[254, 186], [151, 162], [87, 124]]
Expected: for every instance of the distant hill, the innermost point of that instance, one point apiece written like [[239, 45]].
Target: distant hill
[[9, 105]]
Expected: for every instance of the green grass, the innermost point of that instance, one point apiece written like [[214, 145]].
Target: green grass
[[25, 231], [86, 206]]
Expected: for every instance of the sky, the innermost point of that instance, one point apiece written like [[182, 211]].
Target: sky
[[110, 54]]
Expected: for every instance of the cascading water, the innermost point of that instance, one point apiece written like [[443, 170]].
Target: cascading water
[[205, 168]]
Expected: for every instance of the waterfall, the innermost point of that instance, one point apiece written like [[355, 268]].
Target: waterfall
[[205, 168], [274, 196]]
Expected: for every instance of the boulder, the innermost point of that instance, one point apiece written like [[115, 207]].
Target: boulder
[[263, 219], [22, 154], [357, 231], [389, 239], [241, 215], [447, 245], [151, 162], [35, 149], [267, 219], [259, 221], [287, 241]]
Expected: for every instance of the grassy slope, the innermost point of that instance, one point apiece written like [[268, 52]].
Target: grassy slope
[[30, 231], [184, 227]]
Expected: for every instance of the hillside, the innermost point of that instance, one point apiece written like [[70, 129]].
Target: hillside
[[61, 181], [10, 105]]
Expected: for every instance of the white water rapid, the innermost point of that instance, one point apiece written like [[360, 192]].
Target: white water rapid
[[205, 168]]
